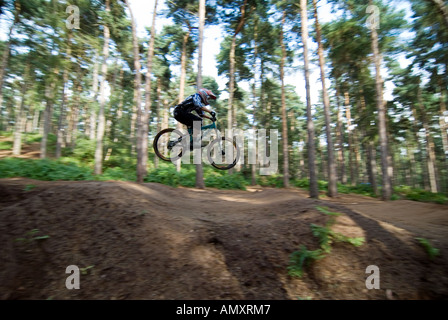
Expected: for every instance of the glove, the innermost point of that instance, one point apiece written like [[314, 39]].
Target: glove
[[213, 114]]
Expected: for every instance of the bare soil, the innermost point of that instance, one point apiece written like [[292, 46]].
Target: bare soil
[[152, 241]]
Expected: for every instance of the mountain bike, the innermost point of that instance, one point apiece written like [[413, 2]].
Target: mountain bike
[[222, 152]]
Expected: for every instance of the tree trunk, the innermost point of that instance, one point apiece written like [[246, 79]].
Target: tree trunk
[[351, 149], [93, 112], [332, 175], [340, 141], [20, 117], [421, 160], [231, 109], [183, 75], [158, 114], [314, 190], [142, 138], [73, 121], [35, 123], [302, 173], [5, 56], [444, 129], [381, 107], [133, 124], [60, 143], [118, 116], [283, 100], [199, 172], [231, 83], [101, 118], [430, 153], [49, 96], [431, 160], [442, 8], [412, 181], [254, 105], [442, 121], [371, 166], [137, 95]]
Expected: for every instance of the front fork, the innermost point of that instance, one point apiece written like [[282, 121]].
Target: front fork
[[218, 136]]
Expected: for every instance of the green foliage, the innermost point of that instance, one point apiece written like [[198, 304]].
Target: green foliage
[[164, 174], [326, 211], [49, 170], [85, 270], [301, 259], [167, 174], [339, 237], [32, 138], [275, 181], [117, 173], [410, 193], [29, 187], [305, 184], [225, 181], [31, 236], [304, 257], [325, 236], [301, 183], [5, 145], [430, 250], [84, 150], [363, 189]]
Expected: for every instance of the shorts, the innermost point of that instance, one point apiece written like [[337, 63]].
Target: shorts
[[185, 118]]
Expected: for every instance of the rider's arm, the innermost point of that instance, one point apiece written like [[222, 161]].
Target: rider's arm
[[201, 107], [206, 110]]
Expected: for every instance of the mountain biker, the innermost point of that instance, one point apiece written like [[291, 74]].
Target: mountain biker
[[196, 102]]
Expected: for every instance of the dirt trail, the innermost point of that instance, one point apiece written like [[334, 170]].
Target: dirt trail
[[156, 242]]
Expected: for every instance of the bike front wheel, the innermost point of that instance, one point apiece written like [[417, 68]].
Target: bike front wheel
[[168, 144], [223, 154]]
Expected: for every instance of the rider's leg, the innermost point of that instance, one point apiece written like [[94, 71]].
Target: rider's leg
[[195, 128]]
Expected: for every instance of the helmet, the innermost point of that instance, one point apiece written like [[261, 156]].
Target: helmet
[[206, 94]]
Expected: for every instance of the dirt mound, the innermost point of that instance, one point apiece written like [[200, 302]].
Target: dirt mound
[[156, 242]]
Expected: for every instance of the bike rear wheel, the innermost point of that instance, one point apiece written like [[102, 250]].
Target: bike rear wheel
[[223, 154], [167, 144]]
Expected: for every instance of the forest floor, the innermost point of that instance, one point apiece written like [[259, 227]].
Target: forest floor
[[152, 241]]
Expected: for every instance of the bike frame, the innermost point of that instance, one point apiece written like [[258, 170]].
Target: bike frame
[[210, 126]]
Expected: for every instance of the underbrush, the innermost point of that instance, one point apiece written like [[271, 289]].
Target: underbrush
[[167, 174], [410, 193], [65, 168], [44, 169], [363, 189], [79, 166]]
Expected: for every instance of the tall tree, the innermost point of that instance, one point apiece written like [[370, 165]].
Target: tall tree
[[381, 107], [6, 50], [314, 191], [141, 169], [62, 108], [142, 149], [283, 98], [332, 176], [199, 172], [101, 116], [21, 112], [235, 21]]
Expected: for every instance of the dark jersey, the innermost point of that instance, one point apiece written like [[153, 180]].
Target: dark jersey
[[192, 103]]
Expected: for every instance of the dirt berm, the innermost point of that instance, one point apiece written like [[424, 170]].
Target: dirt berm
[[152, 241]]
